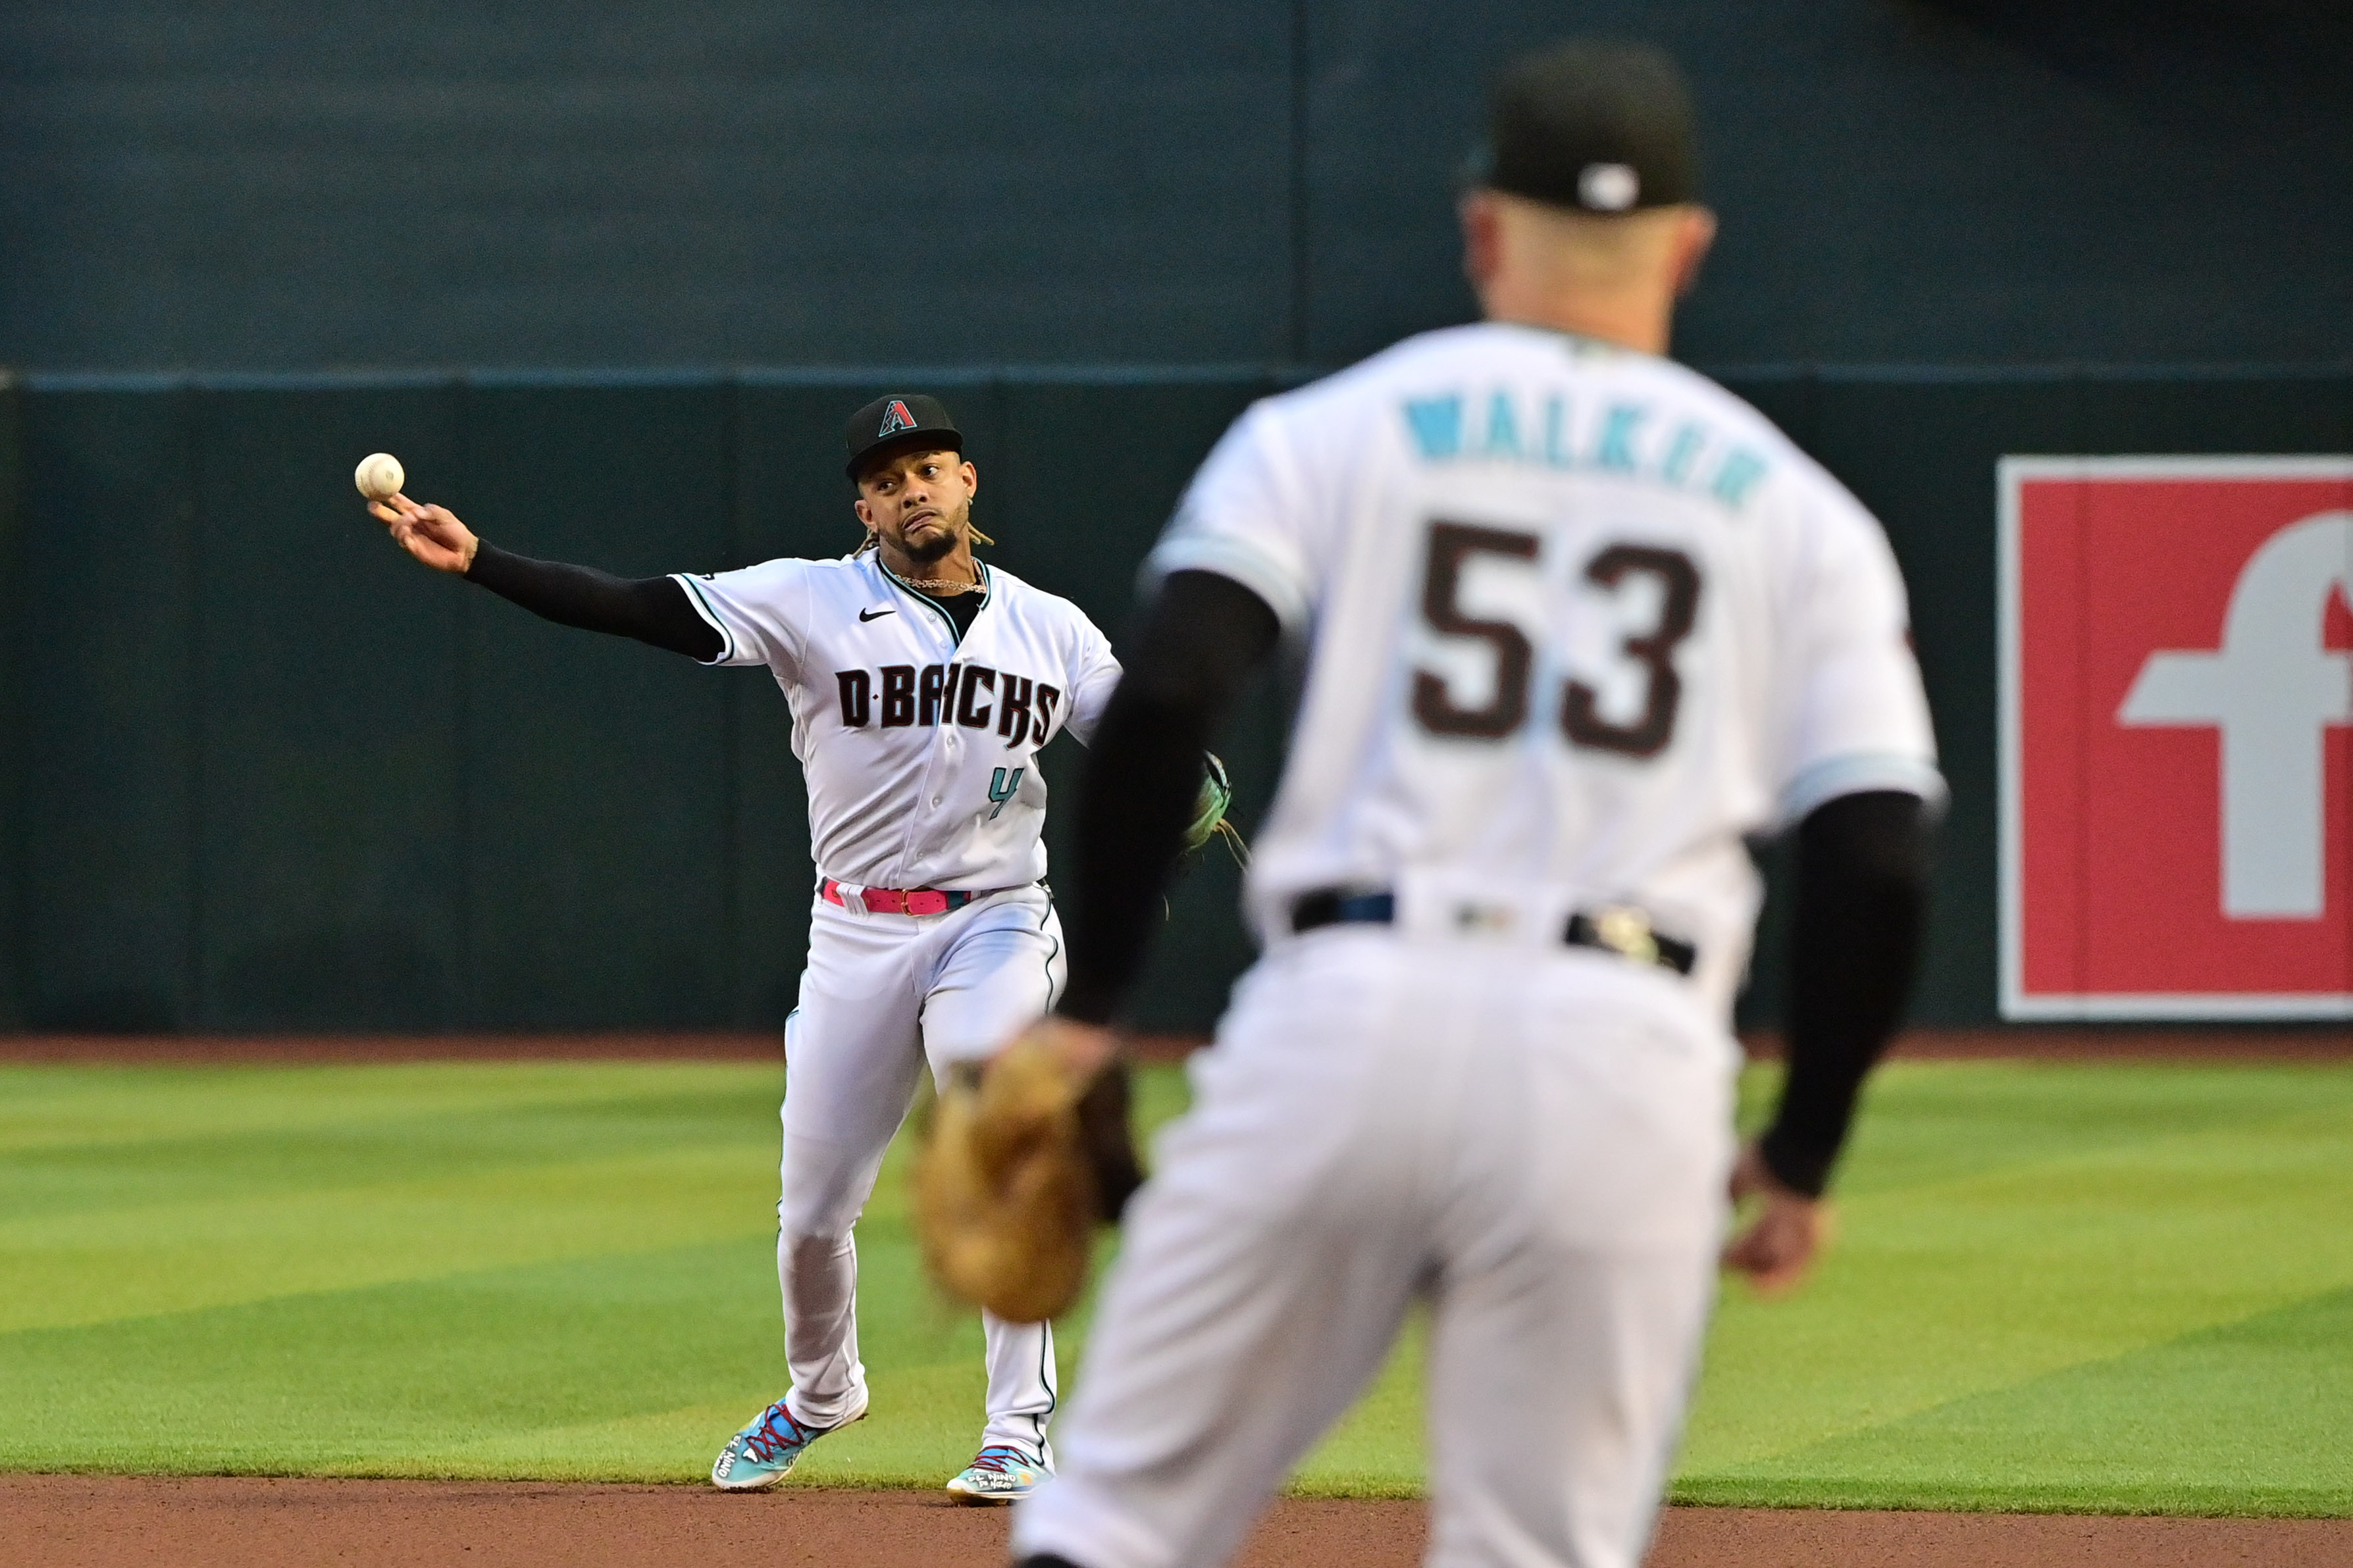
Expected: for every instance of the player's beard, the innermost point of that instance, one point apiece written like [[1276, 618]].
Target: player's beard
[[938, 546]]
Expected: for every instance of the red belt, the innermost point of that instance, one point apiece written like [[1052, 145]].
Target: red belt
[[907, 901]]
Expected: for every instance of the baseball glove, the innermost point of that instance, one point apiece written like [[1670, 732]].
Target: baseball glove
[[1023, 1157], [1210, 807]]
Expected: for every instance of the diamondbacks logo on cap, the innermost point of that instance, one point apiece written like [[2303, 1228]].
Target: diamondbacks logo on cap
[[896, 418]]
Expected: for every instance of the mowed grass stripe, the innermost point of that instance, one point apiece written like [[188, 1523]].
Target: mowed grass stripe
[[49, 1108], [1930, 1122], [617, 1368], [399, 1377], [282, 1181], [631, 1367], [2253, 1415], [2025, 1245], [87, 1179], [1943, 1291], [169, 1257]]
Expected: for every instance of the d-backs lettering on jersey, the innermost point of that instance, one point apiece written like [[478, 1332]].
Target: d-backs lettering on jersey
[[966, 694], [918, 743], [1578, 620]]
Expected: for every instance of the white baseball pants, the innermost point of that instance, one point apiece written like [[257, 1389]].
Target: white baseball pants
[[881, 995], [1532, 1141]]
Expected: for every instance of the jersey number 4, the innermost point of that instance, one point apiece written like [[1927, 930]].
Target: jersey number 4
[[1453, 543]]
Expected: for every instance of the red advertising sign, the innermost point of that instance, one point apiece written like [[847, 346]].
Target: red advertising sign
[[2177, 747]]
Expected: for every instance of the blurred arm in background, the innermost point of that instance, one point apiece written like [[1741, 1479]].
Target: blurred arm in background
[[1862, 904], [1202, 636]]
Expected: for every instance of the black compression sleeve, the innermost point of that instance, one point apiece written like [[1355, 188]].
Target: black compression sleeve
[[651, 609], [1861, 901], [1201, 637]]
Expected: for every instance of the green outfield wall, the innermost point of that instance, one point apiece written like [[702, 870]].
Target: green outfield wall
[[732, 181], [262, 773]]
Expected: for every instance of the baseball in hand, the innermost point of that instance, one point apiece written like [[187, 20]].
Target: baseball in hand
[[379, 475]]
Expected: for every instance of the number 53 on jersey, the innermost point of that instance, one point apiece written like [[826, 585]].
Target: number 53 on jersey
[[1649, 596]]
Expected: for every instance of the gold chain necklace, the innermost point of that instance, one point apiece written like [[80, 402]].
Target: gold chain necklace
[[940, 585]]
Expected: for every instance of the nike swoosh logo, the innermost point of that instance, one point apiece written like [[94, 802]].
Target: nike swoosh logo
[[874, 615]]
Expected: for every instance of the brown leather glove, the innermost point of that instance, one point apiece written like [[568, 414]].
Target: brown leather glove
[[1023, 1157]]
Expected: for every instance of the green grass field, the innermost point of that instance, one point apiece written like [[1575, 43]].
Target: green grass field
[[2121, 1288]]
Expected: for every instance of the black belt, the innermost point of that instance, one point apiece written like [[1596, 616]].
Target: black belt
[[1621, 930]]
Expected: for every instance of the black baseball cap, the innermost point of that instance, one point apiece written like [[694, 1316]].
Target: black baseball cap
[[1594, 127], [896, 423]]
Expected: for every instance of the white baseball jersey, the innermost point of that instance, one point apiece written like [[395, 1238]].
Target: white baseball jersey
[[919, 747], [1580, 619], [919, 750]]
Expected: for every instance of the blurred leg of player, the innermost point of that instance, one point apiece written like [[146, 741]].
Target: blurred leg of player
[[879, 993], [1533, 1142]]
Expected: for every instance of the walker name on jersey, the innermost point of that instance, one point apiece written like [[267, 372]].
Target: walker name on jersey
[[1614, 437], [904, 696]]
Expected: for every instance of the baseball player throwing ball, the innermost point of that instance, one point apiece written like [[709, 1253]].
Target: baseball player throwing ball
[[1575, 621], [922, 685]]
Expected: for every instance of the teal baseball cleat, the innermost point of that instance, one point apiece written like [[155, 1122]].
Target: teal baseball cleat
[[1000, 1473], [765, 1452]]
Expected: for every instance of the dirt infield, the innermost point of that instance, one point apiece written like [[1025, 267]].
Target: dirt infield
[[74, 1521]]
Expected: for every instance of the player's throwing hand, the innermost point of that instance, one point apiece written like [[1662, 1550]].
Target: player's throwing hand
[[431, 533]]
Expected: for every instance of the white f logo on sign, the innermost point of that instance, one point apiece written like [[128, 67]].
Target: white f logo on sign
[[2272, 690]]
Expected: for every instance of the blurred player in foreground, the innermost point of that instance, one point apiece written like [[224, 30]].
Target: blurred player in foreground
[[922, 684], [1575, 621]]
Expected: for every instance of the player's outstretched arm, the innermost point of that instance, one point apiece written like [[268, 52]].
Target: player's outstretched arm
[[653, 610], [1862, 904]]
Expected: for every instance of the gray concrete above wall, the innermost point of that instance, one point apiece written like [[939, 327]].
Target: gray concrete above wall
[[706, 182]]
